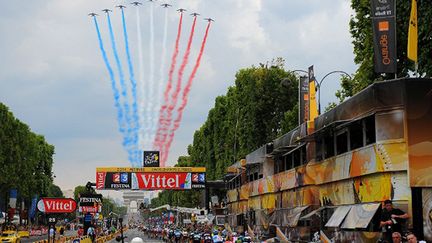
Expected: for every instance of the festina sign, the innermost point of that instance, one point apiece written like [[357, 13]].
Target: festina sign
[[56, 205]]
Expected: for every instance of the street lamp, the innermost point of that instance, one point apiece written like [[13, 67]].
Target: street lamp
[[320, 82], [285, 82]]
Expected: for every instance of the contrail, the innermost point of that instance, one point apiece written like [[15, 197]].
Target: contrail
[[151, 95], [158, 139], [161, 74], [135, 124], [186, 91], [141, 77], [113, 82], [177, 90], [126, 139]]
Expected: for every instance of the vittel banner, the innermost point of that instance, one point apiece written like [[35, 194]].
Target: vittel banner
[[175, 178]]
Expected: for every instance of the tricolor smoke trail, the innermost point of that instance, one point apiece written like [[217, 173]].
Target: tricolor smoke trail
[[113, 82], [151, 94], [185, 95], [174, 96], [135, 125], [158, 138], [141, 76], [161, 73], [126, 137]]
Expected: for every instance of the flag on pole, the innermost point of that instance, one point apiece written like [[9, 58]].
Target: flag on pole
[[412, 33]]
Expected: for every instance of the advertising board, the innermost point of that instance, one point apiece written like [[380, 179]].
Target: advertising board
[[151, 178], [56, 205]]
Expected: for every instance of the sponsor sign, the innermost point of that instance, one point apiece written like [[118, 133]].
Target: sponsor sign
[[383, 8], [176, 178], [90, 203], [304, 99], [384, 35], [151, 159], [56, 205]]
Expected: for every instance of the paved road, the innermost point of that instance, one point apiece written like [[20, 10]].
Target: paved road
[[132, 233], [44, 237]]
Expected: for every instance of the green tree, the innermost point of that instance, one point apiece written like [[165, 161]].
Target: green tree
[[361, 31], [257, 109]]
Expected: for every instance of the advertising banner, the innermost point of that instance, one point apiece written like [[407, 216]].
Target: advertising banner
[[304, 99], [384, 33], [90, 203], [151, 159], [56, 205], [151, 178]]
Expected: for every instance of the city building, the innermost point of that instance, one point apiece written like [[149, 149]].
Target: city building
[[329, 180]]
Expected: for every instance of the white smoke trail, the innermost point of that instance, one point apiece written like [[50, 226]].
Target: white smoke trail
[[162, 76], [141, 79], [151, 95]]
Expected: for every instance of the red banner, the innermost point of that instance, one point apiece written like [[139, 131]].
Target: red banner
[[56, 205], [156, 181]]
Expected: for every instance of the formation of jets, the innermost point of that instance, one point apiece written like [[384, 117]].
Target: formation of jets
[[165, 5]]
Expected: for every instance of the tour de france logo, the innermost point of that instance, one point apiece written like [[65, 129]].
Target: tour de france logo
[[151, 159]]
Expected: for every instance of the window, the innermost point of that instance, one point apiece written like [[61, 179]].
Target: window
[[288, 161], [342, 142], [390, 125], [356, 135], [303, 155], [328, 146], [296, 157], [369, 126], [319, 144]]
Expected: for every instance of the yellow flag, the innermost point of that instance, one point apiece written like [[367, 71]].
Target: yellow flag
[[412, 33], [313, 109]]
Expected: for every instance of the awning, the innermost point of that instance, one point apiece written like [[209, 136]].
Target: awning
[[315, 212], [293, 215], [360, 216], [338, 216], [293, 148]]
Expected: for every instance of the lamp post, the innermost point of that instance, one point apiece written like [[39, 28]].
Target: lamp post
[[320, 82]]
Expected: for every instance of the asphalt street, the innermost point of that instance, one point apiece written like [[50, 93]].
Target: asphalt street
[[132, 233]]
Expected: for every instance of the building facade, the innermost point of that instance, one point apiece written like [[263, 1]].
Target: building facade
[[329, 180]]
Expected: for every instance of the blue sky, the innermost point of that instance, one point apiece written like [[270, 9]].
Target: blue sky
[[53, 77]]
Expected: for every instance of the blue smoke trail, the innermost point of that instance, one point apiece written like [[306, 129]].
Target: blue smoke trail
[[134, 90], [126, 139], [120, 117]]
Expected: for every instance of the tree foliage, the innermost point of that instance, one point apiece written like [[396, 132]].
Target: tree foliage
[[254, 111], [26, 159], [361, 31]]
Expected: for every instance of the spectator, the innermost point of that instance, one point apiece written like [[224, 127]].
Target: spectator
[[411, 238], [396, 237], [392, 220]]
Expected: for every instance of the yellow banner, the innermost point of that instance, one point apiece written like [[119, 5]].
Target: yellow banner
[[313, 109], [412, 33], [151, 169]]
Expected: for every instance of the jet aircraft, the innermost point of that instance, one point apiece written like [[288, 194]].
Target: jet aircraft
[[194, 14], [209, 19], [106, 10], [166, 5], [121, 6], [136, 3], [93, 14], [181, 10]]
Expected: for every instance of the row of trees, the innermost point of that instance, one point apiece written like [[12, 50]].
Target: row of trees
[[26, 160], [256, 110]]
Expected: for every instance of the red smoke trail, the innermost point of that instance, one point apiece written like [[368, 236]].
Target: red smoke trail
[[157, 142], [174, 96], [185, 94]]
